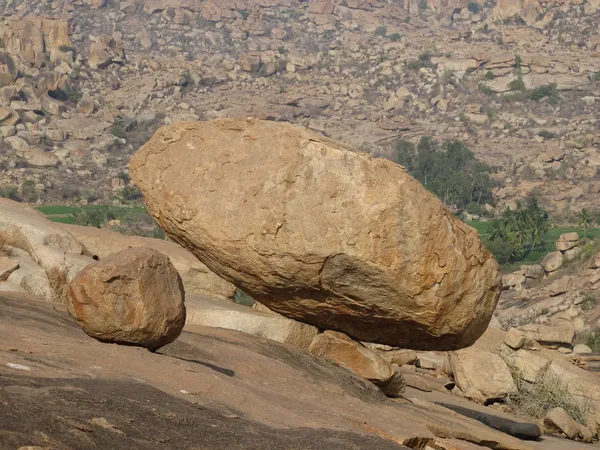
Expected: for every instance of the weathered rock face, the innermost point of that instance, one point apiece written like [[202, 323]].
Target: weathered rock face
[[197, 278], [320, 233], [132, 297], [33, 38], [552, 261], [37, 246], [527, 10], [481, 376], [557, 420], [559, 333]]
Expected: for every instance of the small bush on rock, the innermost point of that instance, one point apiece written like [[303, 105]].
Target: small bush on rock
[[474, 7], [381, 31], [4, 242], [58, 279], [541, 92], [11, 192], [547, 392]]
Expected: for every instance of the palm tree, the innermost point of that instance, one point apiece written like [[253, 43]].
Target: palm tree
[[585, 221]]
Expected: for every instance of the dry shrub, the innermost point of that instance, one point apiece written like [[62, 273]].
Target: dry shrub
[[58, 279], [11, 237], [4, 240], [547, 392]]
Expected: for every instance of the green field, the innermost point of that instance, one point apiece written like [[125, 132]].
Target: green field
[[549, 241], [65, 214]]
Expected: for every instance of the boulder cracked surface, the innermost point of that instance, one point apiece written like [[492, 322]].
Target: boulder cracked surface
[[320, 233]]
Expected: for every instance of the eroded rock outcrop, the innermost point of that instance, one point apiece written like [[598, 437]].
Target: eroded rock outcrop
[[196, 277], [320, 233]]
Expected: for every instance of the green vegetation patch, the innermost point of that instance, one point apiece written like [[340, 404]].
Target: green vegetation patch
[[448, 169], [534, 256]]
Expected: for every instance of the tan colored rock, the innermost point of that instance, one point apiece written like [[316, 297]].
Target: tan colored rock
[[196, 277], [52, 106], [551, 154], [584, 433], [559, 333], [535, 271], [18, 144], [132, 297], [7, 266], [370, 236], [86, 106], [528, 10], [481, 376], [595, 261], [567, 241], [478, 119], [365, 362], [201, 310], [396, 385], [31, 231], [432, 361], [400, 357], [531, 365], [573, 254], [8, 116], [250, 63], [513, 280], [516, 340], [552, 261], [99, 56], [9, 69], [106, 50], [560, 286], [558, 420], [96, 3], [30, 276], [35, 38], [581, 349], [127, 7]]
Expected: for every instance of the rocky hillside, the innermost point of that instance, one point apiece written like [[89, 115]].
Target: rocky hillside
[[86, 82]]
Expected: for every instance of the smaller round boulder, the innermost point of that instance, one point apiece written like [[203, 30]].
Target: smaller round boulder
[[132, 297]]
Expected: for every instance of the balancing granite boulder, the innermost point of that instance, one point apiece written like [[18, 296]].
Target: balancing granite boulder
[[319, 232]]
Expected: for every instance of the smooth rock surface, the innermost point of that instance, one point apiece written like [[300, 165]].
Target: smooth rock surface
[[559, 333], [363, 361], [552, 261], [131, 297], [320, 233], [557, 420], [481, 376], [204, 311]]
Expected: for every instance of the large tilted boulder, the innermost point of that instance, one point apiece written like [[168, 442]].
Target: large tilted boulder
[[131, 297], [320, 233]]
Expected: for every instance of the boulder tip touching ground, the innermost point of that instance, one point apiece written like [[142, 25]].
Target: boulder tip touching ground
[[320, 233], [132, 297]]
